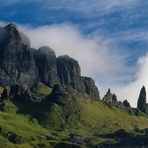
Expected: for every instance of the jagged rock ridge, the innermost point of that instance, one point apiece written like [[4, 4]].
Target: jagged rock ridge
[[110, 98], [20, 64]]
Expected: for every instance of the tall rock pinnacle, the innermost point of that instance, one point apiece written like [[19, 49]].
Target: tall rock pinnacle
[[142, 100]]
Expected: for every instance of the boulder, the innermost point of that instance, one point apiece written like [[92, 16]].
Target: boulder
[[126, 103], [14, 138], [6, 93], [23, 93]]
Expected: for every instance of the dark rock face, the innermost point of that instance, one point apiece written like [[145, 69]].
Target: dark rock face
[[20, 64], [69, 72], [142, 105], [11, 33], [47, 66], [110, 98], [90, 87], [23, 93], [19, 92], [17, 63], [60, 95], [126, 103], [14, 138]]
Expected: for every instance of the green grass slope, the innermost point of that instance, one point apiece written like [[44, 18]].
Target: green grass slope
[[44, 123], [109, 119], [93, 117], [40, 91], [20, 131]]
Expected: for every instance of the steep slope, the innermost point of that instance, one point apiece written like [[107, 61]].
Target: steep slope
[[67, 117]]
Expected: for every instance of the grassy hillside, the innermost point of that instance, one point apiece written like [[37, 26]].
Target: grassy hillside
[[40, 91], [109, 119], [20, 130], [44, 123], [95, 117]]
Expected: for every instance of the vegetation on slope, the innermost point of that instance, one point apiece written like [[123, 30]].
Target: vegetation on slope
[[63, 118], [40, 91]]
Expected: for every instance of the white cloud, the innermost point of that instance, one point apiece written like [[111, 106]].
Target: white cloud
[[132, 90], [93, 52], [98, 58]]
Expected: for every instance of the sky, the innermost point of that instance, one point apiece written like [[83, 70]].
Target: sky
[[109, 38]]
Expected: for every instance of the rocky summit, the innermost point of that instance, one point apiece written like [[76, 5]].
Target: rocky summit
[[21, 64], [110, 98], [45, 102]]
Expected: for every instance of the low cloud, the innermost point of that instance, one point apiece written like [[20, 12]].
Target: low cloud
[[92, 52]]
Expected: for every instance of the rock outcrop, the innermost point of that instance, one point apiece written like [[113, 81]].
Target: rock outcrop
[[60, 95], [69, 72], [6, 93], [22, 93], [20, 64], [142, 105], [18, 92], [110, 98], [16, 59], [90, 87], [126, 103]]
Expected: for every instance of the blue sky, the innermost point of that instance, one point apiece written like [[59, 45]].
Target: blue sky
[[111, 18], [120, 27]]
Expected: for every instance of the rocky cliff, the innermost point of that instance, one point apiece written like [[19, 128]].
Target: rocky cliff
[[20, 64], [17, 64]]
